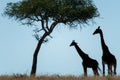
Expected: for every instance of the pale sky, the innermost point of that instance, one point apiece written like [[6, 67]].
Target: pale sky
[[17, 44]]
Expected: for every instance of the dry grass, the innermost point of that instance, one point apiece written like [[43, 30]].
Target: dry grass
[[57, 77]]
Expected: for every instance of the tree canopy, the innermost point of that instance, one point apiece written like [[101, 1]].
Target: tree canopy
[[63, 11]]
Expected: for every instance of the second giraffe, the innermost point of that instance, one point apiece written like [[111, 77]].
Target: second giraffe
[[87, 61], [107, 57]]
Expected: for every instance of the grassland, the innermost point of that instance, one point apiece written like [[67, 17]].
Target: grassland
[[56, 77]]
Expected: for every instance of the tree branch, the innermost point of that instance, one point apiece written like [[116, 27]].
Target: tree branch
[[43, 27], [47, 25], [37, 19], [53, 26]]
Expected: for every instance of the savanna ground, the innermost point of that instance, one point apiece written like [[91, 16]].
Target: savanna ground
[[57, 77]]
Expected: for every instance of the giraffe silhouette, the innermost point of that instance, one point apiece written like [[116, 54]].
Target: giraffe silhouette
[[107, 57], [87, 61]]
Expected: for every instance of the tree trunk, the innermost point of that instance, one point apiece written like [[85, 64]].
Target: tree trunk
[[34, 64]]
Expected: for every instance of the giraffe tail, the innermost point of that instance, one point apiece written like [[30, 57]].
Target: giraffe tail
[[99, 69]]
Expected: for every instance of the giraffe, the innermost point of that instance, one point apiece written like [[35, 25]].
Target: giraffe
[[87, 62], [107, 57]]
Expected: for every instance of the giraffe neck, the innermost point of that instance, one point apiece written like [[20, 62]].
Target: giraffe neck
[[104, 46], [80, 52]]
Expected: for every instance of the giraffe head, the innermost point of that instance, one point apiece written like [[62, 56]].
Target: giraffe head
[[98, 30], [73, 43]]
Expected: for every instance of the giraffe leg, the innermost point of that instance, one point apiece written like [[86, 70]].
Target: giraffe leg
[[114, 69], [85, 70], [103, 65], [109, 69], [95, 71]]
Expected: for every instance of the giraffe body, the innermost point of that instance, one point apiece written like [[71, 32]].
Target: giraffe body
[[87, 62], [107, 57]]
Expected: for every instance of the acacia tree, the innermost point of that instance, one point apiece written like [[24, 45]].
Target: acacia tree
[[50, 13]]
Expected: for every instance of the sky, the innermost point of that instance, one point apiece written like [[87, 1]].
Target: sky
[[17, 44]]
